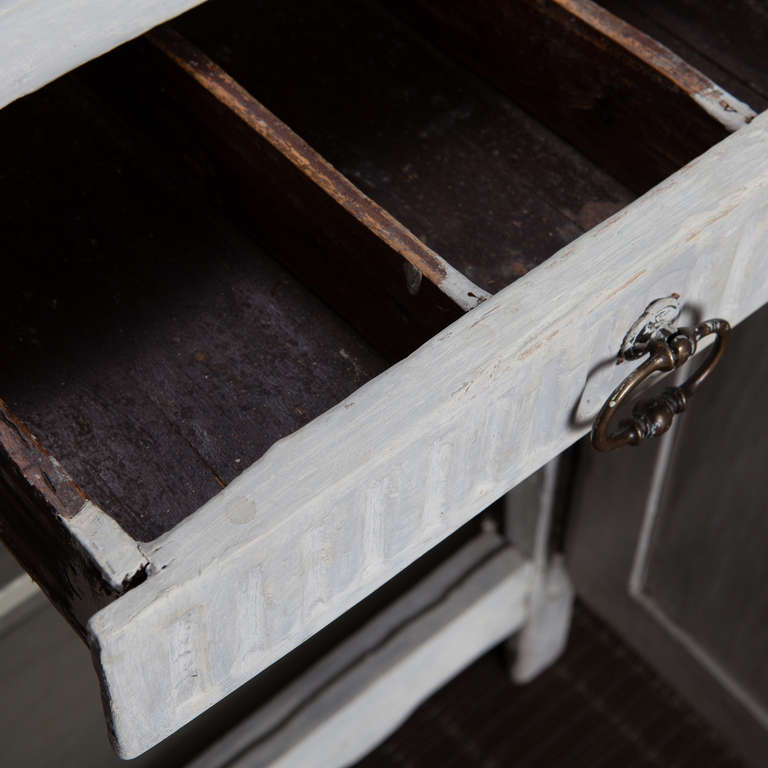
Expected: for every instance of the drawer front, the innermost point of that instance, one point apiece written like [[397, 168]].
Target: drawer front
[[375, 482]]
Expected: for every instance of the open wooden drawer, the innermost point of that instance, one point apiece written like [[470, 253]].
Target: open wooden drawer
[[273, 351]]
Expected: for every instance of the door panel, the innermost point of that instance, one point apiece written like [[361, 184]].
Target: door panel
[[669, 543]]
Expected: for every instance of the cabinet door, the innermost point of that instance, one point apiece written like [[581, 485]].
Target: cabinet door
[[669, 543]]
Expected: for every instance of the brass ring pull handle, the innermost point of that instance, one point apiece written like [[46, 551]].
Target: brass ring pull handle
[[654, 417]]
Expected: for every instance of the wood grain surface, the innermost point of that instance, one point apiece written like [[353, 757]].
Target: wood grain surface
[[726, 39], [149, 343], [458, 163], [622, 98], [78, 555]]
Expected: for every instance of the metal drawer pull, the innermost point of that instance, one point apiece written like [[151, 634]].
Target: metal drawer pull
[[654, 417]]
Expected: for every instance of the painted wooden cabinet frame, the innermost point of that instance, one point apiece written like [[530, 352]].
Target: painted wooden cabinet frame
[[426, 446], [500, 385]]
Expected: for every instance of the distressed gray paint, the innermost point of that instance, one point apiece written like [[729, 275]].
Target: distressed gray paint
[[432, 441]]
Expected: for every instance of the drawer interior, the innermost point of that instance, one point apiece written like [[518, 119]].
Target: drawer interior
[[726, 40], [150, 343], [217, 237], [459, 163]]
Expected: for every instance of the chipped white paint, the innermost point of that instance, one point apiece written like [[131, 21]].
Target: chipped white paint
[[725, 108], [659, 318], [42, 39], [731, 113], [459, 288], [117, 554], [376, 481], [356, 695]]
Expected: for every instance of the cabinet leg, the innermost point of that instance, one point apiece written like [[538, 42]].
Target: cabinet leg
[[544, 635], [528, 514]]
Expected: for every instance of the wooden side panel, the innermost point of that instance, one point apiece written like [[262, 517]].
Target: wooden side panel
[[387, 282], [727, 40], [457, 162], [375, 482], [622, 98], [147, 339], [80, 558]]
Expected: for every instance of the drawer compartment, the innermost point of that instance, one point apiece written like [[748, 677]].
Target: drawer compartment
[[153, 347], [455, 161], [194, 351]]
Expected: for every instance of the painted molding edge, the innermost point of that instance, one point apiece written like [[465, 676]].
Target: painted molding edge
[[41, 40], [358, 694]]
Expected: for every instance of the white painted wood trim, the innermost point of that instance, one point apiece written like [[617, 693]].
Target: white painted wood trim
[[42, 39], [336, 509], [734, 687], [353, 698], [116, 554], [543, 637]]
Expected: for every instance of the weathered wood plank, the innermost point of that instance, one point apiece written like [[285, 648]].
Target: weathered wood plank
[[467, 171], [592, 78], [147, 340], [80, 557], [352, 251], [726, 39], [339, 507], [42, 39], [360, 692]]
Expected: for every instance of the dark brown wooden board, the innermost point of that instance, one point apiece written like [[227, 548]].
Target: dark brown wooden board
[[147, 340], [468, 172], [616, 107], [352, 253], [37, 497], [725, 39]]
